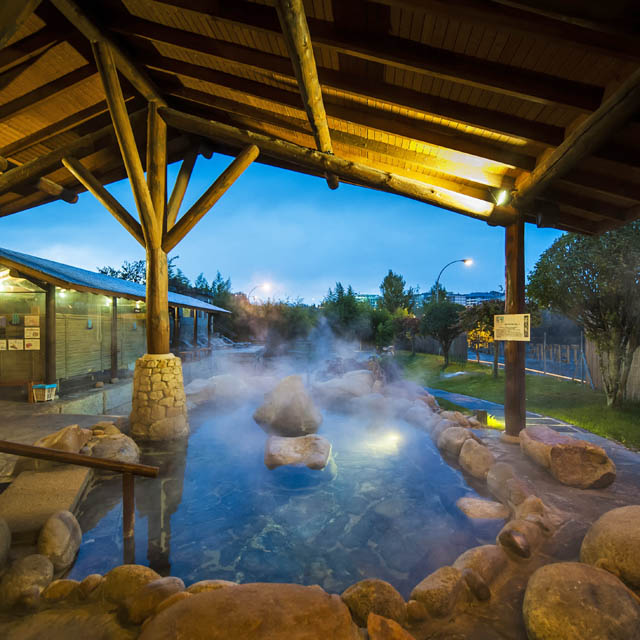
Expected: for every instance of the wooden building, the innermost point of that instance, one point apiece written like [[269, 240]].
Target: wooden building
[[511, 112], [67, 325]]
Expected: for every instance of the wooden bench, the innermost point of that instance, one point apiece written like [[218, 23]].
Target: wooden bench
[[19, 383]]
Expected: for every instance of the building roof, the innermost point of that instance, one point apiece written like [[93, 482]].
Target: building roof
[[447, 98], [64, 275]]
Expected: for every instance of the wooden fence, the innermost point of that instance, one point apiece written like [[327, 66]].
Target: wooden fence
[[633, 384]]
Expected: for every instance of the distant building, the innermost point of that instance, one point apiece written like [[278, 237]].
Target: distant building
[[369, 298], [465, 299]]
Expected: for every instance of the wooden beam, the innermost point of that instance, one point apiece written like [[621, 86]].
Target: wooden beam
[[514, 386], [50, 376], [45, 92], [157, 301], [524, 21], [210, 197], [126, 141], [114, 337], [27, 48], [13, 14], [298, 40], [259, 61], [395, 124], [57, 191], [409, 55], [34, 169], [157, 163], [109, 202], [180, 188], [583, 140], [138, 78], [346, 170]]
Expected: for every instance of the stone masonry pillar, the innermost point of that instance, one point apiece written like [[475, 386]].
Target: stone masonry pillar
[[159, 410]]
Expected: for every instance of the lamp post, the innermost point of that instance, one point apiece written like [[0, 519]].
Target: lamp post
[[467, 262]]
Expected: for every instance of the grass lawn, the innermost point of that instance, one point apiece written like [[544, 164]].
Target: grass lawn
[[562, 399]]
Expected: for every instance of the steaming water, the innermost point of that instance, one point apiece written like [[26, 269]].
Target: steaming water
[[384, 507]]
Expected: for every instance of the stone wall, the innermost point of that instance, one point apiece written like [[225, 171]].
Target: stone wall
[[159, 409]]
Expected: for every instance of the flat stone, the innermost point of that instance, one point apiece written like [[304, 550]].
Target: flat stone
[[476, 459], [488, 561], [381, 628], [60, 539], [574, 462], [259, 611], [613, 543], [143, 602], [60, 590], [439, 591], [209, 585], [312, 451], [34, 496], [374, 596], [451, 440], [482, 509], [576, 601]]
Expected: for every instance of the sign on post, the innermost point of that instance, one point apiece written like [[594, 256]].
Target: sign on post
[[512, 326]]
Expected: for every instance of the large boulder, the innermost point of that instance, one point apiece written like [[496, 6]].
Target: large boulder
[[125, 581], [112, 446], [613, 543], [69, 439], [142, 603], [575, 601], [439, 591], [482, 509], [312, 451], [475, 459], [381, 628], [25, 579], [451, 440], [374, 596], [225, 390], [487, 561], [338, 391], [256, 611], [288, 410], [573, 462], [60, 539]]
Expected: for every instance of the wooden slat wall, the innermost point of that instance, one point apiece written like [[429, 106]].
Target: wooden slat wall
[[633, 384]]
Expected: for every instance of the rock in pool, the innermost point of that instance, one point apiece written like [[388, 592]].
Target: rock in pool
[[312, 451]]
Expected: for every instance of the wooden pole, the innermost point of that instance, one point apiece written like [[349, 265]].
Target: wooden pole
[[93, 185], [127, 143], [128, 505], [209, 328], [514, 356], [114, 337], [298, 40], [50, 335], [612, 114], [157, 163], [195, 327], [157, 301], [345, 169], [57, 191], [210, 197], [180, 188]]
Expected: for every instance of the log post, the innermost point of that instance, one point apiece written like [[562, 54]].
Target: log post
[[128, 505], [114, 337], [209, 328], [514, 356], [157, 306], [195, 327], [50, 335]]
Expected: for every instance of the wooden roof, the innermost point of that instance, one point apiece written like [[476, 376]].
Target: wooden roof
[[466, 96]]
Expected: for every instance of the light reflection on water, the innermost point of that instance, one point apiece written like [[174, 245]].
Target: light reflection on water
[[384, 507]]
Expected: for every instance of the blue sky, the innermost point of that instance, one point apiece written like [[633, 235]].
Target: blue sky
[[288, 229]]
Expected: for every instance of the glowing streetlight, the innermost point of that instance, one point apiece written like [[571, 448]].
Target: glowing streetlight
[[264, 285], [467, 262]]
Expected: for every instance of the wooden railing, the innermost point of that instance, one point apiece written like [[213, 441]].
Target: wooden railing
[[127, 469]]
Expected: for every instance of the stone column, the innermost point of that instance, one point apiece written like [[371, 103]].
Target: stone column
[[159, 410]]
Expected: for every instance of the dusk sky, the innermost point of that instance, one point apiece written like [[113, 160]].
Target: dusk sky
[[288, 229]]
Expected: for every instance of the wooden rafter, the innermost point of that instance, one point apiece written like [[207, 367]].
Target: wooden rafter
[[27, 48], [126, 141], [421, 131], [298, 40], [55, 190], [594, 131], [210, 197], [352, 84], [80, 20], [109, 202], [411, 56], [180, 188], [13, 13]]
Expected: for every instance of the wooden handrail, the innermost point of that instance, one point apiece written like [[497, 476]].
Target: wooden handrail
[[127, 469], [66, 457]]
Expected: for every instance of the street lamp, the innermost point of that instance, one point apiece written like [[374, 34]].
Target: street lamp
[[467, 262], [263, 285]]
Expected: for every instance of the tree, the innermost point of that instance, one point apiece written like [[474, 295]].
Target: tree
[[394, 296], [595, 281], [383, 327], [408, 326], [478, 322], [346, 316], [202, 285], [135, 271], [441, 321]]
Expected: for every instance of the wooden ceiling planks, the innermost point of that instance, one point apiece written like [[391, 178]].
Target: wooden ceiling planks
[[389, 110]]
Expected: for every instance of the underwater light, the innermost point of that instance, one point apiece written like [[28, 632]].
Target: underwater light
[[388, 442]]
